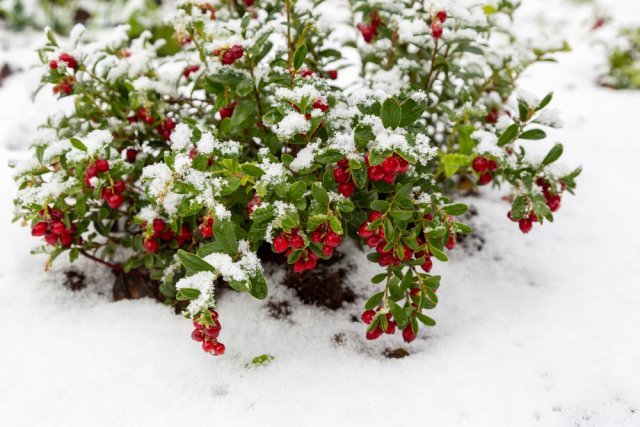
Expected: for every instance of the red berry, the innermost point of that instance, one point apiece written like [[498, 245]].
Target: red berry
[[367, 316], [364, 232], [158, 225], [115, 201], [316, 236], [385, 259], [56, 214], [533, 217], [58, 227], [373, 241], [480, 164], [69, 60], [190, 69], [131, 155], [436, 29], [119, 187], [525, 225], [375, 173], [554, 202], [374, 216], [197, 324], [333, 74], [66, 87], [66, 239], [391, 165], [408, 335], [102, 165], [441, 15], [53, 64], [299, 266], [320, 105], [39, 229], [185, 233], [51, 238], [391, 328], [297, 242], [427, 265], [485, 178], [218, 349], [214, 330], [327, 250], [380, 248], [404, 165], [347, 189], [332, 239], [375, 334], [206, 231], [344, 163], [341, 175], [208, 346], [280, 244], [197, 335], [493, 165], [451, 242], [368, 33], [310, 264], [151, 245], [389, 178]]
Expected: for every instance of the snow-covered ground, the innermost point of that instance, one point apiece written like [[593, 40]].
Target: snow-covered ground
[[540, 329]]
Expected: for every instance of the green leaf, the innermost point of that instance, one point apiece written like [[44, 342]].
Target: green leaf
[[193, 262], [545, 101], [391, 113], [78, 144], [297, 190], [374, 301], [187, 294], [399, 314], [226, 237], [509, 135], [455, 209], [553, 155], [518, 208], [534, 134], [258, 286], [453, 162], [251, 170], [411, 111], [299, 56], [320, 194], [438, 253], [425, 319]]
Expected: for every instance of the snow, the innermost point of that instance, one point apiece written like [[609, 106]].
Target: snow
[[532, 330]]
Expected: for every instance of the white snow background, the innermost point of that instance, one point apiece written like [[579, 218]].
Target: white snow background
[[542, 329]]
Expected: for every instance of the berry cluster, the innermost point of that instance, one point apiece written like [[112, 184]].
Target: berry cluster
[[327, 237], [161, 231], [553, 199], [436, 24], [230, 55], [100, 166], [165, 128], [53, 229], [343, 177], [485, 167], [369, 32], [113, 195], [387, 325], [208, 335], [388, 169]]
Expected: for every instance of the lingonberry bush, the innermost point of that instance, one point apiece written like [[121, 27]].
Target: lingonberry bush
[[624, 61], [180, 167]]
